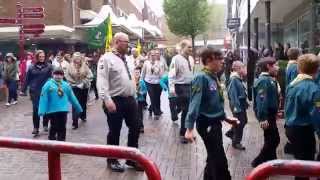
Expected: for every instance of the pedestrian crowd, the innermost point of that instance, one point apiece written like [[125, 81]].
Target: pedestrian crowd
[[123, 82]]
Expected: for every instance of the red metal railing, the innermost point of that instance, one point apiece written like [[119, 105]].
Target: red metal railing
[[285, 167], [55, 148]]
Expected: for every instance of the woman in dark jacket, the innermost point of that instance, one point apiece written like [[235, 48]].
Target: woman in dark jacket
[[36, 77], [10, 77]]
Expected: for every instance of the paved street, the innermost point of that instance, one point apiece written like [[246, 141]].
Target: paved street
[[159, 142]]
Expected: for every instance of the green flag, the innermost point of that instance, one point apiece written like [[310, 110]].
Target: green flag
[[96, 36]]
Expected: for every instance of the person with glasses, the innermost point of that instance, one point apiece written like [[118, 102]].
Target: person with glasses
[[206, 109], [180, 76], [36, 77], [116, 87]]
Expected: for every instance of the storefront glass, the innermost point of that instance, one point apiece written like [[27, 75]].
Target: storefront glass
[[291, 34], [305, 32]]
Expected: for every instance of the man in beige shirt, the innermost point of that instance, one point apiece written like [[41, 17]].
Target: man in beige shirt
[[180, 77], [117, 89]]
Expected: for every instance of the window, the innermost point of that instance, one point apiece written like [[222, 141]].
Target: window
[[291, 34], [305, 32]]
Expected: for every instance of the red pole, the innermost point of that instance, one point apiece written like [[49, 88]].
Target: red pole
[[21, 34], [285, 167], [54, 167], [56, 147]]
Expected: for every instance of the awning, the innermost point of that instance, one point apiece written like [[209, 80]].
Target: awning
[[87, 14], [118, 24], [50, 31]]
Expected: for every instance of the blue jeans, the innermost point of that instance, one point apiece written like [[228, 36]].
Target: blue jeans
[[12, 88]]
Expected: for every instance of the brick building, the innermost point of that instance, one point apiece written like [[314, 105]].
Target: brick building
[[65, 20]]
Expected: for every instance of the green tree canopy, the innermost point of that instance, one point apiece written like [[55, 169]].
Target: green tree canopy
[[187, 17]]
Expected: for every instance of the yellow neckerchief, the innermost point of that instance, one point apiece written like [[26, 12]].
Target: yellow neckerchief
[[265, 74], [60, 90], [235, 74], [291, 62], [299, 78]]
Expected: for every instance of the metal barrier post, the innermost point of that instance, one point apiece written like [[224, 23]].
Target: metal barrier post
[[55, 148], [285, 167], [54, 167]]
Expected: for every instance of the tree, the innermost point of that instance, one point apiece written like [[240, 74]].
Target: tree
[[187, 17]]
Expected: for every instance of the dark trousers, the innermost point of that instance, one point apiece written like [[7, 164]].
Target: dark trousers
[[58, 122], [94, 87], [237, 131], [303, 143], [12, 88], [183, 92], [127, 110], [154, 91], [217, 163], [140, 113], [173, 108], [271, 142], [82, 96], [35, 97]]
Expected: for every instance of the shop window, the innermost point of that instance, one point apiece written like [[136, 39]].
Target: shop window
[[290, 34], [305, 32]]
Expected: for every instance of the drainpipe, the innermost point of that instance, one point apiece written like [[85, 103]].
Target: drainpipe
[[268, 23]]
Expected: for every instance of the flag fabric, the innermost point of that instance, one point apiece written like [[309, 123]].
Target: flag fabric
[[139, 48], [108, 34], [96, 36]]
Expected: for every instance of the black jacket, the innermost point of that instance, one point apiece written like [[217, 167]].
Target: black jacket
[[37, 76]]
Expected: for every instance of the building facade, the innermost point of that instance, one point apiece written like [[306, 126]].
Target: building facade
[[296, 22], [65, 19]]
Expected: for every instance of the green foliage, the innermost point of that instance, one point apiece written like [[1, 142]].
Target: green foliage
[[217, 17], [187, 17]]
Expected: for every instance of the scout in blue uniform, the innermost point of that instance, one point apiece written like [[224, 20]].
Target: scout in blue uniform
[[302, 109], [238, 103], [291, 74], [265, 105], [141, 89], [206, 108], [292, 68], [54, 102]]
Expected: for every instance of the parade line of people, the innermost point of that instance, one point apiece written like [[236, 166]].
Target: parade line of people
[[122, 84]]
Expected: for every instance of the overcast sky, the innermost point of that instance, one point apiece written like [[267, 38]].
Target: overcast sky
[[156, 5]]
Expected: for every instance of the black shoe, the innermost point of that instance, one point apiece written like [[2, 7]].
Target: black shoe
[[115, 166], [135, 165], [150, 113], [141, 130], [45, 129], [35, 131], [74, 127], [255, 163], [239, 147], [84, 120], [183, 140], [229, 134], [174, 119], [156, 117], [288, 148]]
